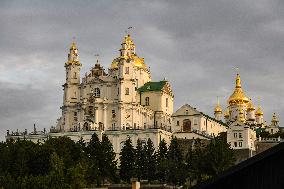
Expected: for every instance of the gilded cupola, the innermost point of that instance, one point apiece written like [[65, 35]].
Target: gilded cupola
[[73, 57], [238, 96], [259, 111], [250, 106], [218, 108], [128, 53]]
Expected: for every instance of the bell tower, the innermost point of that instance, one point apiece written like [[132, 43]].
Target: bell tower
[[71, 90]]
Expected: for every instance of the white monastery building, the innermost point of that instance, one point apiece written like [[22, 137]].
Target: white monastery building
[[124, 102]]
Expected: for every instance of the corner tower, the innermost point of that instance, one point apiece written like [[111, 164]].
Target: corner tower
[[71, 87]]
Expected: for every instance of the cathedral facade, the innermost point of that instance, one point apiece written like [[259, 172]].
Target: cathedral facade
[[123, 98], [122, 102]]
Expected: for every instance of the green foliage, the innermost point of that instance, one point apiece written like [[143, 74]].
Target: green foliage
[[77, 176], [162, 162], [62, 163], [94, 154], [109, 162], [58, 163], [204, 162], [139, 160], [127, 168], [56, 176], [150, 161], [176, 164]]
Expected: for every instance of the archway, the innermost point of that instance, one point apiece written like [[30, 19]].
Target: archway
[[186, 125]]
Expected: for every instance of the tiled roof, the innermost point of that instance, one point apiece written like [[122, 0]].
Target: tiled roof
[[152, 86]]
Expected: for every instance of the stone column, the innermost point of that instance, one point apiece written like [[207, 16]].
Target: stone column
[[96, 115], [105, 115]]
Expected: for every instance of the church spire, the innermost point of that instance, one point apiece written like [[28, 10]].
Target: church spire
[[73, 56], [238, 96], [127, 47]]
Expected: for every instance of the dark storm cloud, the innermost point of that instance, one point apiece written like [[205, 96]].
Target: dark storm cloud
[[194, 44]]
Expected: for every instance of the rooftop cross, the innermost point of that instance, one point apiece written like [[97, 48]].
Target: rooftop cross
[[128, 30]]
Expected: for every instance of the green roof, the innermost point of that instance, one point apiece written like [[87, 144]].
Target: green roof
[[259, 130], [152, 86]]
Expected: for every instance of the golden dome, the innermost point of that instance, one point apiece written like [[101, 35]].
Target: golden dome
[[259, 112], [218, 108], [137, 61], [238, 96], [250, 106], [128, 45]]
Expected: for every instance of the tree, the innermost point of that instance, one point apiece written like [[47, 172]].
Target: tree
[[139, 160], [94, 154], [56, 176], [127, 168], [218, 156], [206, 162], [195, 162], [176, 166], [162, 162], [77, 176], [150, 161], [108, 166], [65, 148]]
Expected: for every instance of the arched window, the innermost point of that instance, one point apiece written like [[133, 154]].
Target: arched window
[[97, 92], [186, 125], [147, 101], [126, 91], [167, 102]]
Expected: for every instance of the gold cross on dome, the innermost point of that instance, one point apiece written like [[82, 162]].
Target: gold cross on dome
[[128, 30]]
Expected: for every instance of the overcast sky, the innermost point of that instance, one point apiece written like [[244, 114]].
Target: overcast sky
[[194, 44]]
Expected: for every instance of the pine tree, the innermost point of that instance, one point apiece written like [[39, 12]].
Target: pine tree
[[109, 163], [218, 156], [176, 166], [139, 160], [150, 161], [94, 154], [162, 162], [127, 168]]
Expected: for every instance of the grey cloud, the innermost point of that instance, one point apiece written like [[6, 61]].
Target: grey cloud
[[194, 44]]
